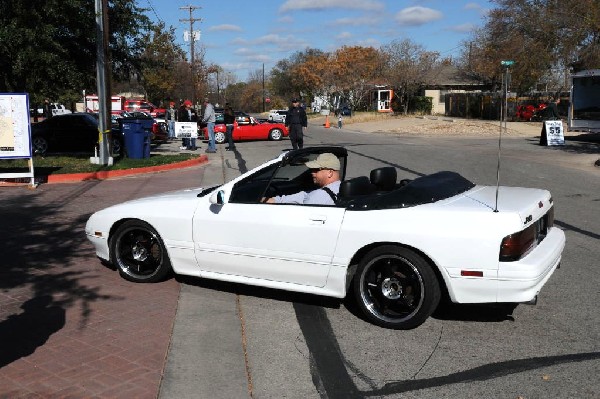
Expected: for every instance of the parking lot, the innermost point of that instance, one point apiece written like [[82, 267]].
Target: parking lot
[[82, 331]]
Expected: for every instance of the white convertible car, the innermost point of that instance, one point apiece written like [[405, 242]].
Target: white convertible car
[[396, 246]]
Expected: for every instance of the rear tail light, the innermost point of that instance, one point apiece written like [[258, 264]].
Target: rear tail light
[[517, 245]]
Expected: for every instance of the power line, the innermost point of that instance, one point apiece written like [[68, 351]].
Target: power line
[[154, 11]]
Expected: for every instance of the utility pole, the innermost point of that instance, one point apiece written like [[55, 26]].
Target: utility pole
[[192, 37], [103, 84]]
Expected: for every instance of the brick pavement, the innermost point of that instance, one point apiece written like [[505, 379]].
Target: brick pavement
[[69, 326]]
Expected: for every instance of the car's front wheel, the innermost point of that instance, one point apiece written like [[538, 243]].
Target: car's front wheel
[[139, 253], [219, 137], [39, 145], [396, 288], [275, 134]]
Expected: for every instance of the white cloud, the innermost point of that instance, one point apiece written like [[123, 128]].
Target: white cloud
[[462, 28], [343, 36], [286, 19], [472, 6], [282, 43], [364, 21], [292, 5], [244, 51], [258, 58], [414, 16], [225, 27]]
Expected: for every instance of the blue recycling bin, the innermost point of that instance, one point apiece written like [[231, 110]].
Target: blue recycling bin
[[136, 135]]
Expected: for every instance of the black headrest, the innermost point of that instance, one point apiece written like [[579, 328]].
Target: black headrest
[[356, 186], [384, 178]]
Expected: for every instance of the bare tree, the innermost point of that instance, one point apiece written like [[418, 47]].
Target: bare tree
[[407, 66]]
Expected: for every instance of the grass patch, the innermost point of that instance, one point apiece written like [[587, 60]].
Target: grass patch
[[64, 164]]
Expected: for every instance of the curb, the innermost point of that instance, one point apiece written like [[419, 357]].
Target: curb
[[108, 174]]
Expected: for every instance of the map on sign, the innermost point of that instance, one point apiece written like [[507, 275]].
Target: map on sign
[[15, 138]]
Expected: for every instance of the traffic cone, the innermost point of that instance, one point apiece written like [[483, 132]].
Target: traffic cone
[[327, 122]]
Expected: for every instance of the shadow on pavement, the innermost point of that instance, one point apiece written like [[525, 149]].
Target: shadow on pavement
[[21, 334]]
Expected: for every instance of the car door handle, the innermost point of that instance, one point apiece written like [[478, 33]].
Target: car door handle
[[318, 219]]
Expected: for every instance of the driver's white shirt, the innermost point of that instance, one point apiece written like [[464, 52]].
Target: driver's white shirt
[[315, 197]]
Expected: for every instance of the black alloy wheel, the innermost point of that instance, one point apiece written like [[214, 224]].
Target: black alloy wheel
[[139, 253], [396, 288]]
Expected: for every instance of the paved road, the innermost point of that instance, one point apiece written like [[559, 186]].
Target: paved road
[[233, 341]]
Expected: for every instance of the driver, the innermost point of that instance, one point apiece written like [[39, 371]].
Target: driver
[[325, 172]]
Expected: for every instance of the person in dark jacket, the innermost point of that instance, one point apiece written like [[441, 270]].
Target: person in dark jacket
[[47, 109], [229, 119], [553, 108], [296, 123], [184, 115]]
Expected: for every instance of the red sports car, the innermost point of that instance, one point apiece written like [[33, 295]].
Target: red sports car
[[250, 130]]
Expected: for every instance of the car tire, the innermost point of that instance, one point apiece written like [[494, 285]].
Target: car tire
[[396, 288], [139, 253], [275, 134], [39, 145], [219, 137]]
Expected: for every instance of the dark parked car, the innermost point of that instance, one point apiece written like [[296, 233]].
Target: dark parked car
[[77, 132]]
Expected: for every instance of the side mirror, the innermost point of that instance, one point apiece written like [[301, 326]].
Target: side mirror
[[217, 198]]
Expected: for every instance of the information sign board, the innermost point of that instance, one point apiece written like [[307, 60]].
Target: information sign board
[[552, 133], [186, 130], [15, 133]]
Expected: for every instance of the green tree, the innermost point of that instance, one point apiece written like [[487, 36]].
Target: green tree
[[48, 48], [544, 37], [158, 63]]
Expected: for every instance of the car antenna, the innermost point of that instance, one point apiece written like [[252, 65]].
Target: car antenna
[[503, 118]]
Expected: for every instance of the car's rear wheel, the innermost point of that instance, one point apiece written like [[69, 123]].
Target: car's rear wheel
[[275, 134], [219, 137], [39, 145], [139, 253], [396, 288]]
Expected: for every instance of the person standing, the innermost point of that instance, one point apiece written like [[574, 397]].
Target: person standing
[[183, 115], [296, 123], [47, 109], [229, 119], [209, 118], [171, 117], [340, 120], [553, 108]]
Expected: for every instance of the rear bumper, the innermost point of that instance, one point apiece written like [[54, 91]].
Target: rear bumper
[[521, 281], [516, 282]]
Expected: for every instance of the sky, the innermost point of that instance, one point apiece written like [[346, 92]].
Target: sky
[[241, 36]]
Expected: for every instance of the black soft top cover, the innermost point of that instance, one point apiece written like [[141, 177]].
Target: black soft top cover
[[423, 190]]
